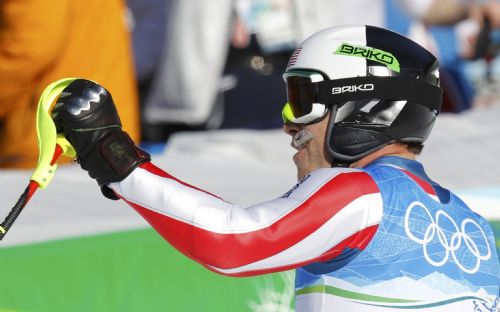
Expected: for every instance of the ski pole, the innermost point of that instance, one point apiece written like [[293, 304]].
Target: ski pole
[[50, 147]]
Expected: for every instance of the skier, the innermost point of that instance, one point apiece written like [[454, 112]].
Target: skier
[[365, 228]]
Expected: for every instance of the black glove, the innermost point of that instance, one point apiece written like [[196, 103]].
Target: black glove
[[86, 115]]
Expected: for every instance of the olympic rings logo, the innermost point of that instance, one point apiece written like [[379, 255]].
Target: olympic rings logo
[[453, 244]]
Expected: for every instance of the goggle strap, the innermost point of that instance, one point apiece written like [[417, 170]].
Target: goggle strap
[[384, 88]]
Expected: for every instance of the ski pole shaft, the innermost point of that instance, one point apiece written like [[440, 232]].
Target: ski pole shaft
[[24, 199]]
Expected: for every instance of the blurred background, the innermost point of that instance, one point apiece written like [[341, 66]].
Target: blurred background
[[199, 84]]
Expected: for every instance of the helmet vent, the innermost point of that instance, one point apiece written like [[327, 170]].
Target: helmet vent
[[294, 57]]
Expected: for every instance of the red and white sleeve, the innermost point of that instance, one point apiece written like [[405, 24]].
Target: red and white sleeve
[[331, 209]]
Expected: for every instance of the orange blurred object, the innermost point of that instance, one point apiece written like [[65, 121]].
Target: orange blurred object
[[45, 40]]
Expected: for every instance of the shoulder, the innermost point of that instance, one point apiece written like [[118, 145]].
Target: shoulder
[[342, 181]]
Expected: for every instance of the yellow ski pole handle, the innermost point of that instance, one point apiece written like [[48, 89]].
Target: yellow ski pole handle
[[47, 135], [50, 146]]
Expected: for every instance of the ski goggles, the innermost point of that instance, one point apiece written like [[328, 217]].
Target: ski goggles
[[302, 103], [309, 96]]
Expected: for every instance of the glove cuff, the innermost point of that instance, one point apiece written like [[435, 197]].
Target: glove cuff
[[109, 193], [113, 158]]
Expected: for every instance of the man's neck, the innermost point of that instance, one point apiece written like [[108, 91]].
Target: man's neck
[[395, 149]]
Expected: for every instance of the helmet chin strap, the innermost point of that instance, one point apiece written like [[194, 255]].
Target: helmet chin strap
[[336, 163]]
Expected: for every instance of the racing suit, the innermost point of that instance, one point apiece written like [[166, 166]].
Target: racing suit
[[380, 238]]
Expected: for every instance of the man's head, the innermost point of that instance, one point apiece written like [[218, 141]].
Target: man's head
[[365, 87]]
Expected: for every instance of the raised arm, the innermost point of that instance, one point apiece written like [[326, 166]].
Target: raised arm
[[314, 221], [330, 210]]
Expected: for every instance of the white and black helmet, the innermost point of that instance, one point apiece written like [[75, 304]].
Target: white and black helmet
[[380, 86]]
